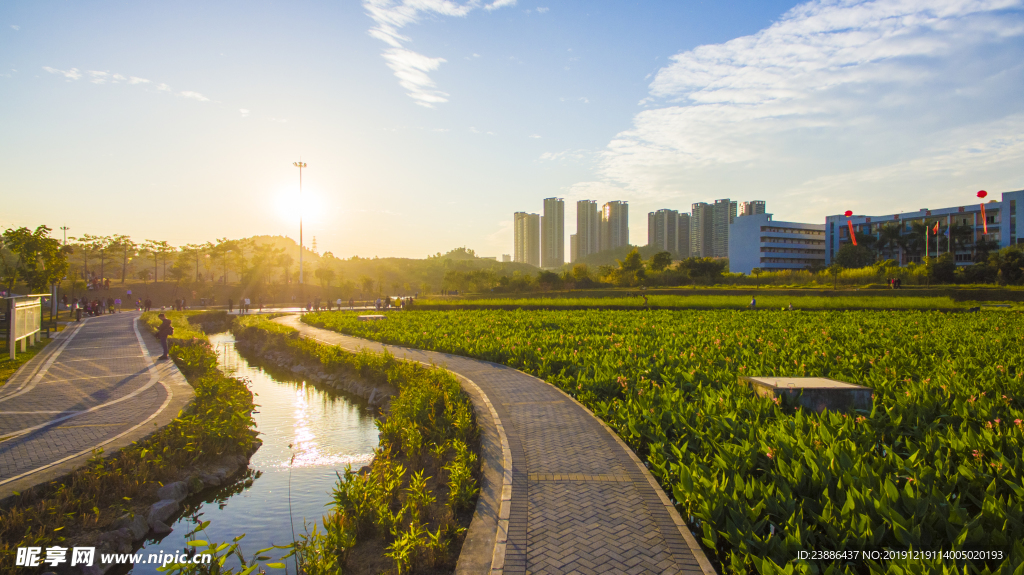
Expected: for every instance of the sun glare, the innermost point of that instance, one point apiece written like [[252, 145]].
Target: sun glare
[[312, 206]]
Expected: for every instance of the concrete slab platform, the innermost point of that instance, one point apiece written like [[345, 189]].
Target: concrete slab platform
[[817, 393]]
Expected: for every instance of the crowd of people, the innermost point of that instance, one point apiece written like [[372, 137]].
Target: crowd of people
[[100, 306], [94, 307]]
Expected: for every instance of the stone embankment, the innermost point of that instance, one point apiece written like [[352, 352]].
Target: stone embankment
[[129, 530]]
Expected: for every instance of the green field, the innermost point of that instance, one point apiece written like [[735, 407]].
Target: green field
[[776, 302], [937, 464]]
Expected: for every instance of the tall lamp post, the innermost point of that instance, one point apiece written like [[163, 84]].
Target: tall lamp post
[[300, 165]]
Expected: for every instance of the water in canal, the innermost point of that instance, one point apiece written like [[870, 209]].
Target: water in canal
[[326, 430]]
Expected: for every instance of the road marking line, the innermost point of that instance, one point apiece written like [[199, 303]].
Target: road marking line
[[38, 376], [98, 445], [104, 359], [92, 425], [152, 382], [154, 370], [31, 412]]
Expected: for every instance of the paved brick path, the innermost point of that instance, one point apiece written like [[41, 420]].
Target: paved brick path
[[96, 386], [581, 501]]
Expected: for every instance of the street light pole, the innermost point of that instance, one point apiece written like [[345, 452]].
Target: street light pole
[[65, 229], [300, 165]]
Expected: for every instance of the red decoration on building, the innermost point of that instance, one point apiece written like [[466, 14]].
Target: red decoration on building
[[853, 236], [982, 194], [848, 213]]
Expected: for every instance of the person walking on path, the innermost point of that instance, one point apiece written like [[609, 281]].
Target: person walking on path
[[231, 304], [163, 332], [753, 302], [117, 304], [261, 305]]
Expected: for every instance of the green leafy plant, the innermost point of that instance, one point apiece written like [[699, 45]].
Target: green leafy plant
[[936, 463]]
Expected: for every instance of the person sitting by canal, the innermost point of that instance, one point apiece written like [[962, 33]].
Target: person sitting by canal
[[163, 332]]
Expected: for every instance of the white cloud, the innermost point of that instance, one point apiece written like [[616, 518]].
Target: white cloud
[[194, 96], [136, 80], [499, 4], [834, 92], [411, 68], [72, 74], [244, 112], [542, 9], [98, 77], [163, 87], [574, 155], [535, 136], [15, 27]]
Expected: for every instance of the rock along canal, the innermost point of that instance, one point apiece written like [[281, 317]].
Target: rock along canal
[[326, 431]]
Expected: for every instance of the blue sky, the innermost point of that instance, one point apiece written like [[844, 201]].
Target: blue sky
[[426, 124]]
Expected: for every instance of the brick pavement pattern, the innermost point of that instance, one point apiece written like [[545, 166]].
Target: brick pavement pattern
[[99, 384], [580, 503]]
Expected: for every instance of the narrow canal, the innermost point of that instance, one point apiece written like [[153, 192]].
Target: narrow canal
[[309, 434]]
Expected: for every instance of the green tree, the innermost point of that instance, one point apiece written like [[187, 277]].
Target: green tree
[[36, 259], [366, 284], [851, 256], [834, 269], [756, 272], [660, 261], [983, 247], [942, 269], [890, 239], [1009, 262], [127, 248], [285, 261], [709, 270], [160, 250], [325, 275], [630, 272]]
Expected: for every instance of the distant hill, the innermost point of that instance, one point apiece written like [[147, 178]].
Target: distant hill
[[388, 275]]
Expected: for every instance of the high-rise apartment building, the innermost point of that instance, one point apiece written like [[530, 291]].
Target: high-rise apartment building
[[614, 225], [552, 233], [751, 208], [588, 229], [527, 238], [701, 230], [505, 258], [724, 212], [663, 230], [574, 254], [683, 233]]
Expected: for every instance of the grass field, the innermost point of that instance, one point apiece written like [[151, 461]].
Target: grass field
[[936, 464], [711, 302]]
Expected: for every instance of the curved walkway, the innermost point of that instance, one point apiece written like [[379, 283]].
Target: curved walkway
[[580, 500], [96, 386]]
